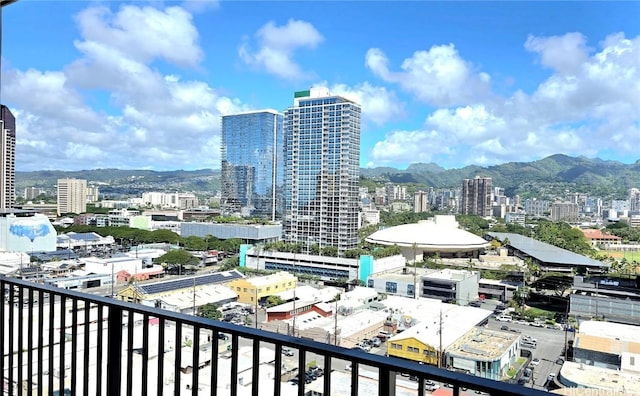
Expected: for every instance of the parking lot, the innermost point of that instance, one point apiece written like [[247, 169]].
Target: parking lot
[[549, 346]]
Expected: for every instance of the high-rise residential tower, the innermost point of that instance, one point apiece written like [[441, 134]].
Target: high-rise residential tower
[[476, 196], [72, 196], [7, 158], [252, 164], [322, 167]]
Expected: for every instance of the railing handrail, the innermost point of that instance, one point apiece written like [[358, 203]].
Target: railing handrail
[[356, 356]]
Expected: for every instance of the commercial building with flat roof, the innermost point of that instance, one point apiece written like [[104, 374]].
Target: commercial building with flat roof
[[428, 327], [255, 290], [580, 375], [450, 285], [548, 257], [326, 268], [484, 353]]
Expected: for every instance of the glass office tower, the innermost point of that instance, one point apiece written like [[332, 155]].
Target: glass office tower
[[252, 164], [322, 168]]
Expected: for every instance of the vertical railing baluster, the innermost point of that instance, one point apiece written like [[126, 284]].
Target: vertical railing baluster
[[255, 370], [196, 361], [234, 364], [74, 344], [277, 385], [5, 302], [29, 381], [87, 348], [145, 353], [40, 346], [52, 340], [20, 335], [355, 367], [178, 358], [302, 370], [130, 327], [99, 347], [160, 381], [114, 359], [214, 359], [63, 342], [327, 375], [11, 321]]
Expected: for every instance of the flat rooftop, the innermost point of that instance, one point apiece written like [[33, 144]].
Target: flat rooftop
[[582, 375], [483, 344], [605, 344]]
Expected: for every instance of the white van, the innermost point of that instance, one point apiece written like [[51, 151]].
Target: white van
[[504, 318]]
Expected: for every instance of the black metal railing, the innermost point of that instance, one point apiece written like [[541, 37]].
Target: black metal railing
[[59, 342]]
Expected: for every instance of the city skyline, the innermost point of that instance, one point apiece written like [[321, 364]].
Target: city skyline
[[102, 85]]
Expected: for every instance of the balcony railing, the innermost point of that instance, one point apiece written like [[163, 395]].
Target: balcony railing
[[57, 342]]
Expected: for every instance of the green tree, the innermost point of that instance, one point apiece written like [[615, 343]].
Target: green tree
[[177, 258], [331, 251], [211, 311], [273, 301]]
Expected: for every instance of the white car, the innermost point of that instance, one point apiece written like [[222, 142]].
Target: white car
[[430, 386], [535, 362]]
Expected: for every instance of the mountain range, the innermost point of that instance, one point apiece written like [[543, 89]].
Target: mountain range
[[550, 175]]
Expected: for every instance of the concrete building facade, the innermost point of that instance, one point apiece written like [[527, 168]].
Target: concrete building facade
[[72, 196]]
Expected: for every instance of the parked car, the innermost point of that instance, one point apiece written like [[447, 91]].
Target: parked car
[[430, 385], [505, 328], [287, 352], [535, 362], [375, 341]]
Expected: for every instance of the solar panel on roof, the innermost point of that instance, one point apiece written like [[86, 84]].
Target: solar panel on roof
[[185, 283]]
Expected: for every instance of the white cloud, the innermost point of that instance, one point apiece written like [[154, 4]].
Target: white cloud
[[143, 34], [276, 47], [439, 76], [379, 104], [155, 120], [579, 110], [565, 54]]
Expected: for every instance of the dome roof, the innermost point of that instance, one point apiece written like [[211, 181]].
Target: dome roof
[[440, 234]]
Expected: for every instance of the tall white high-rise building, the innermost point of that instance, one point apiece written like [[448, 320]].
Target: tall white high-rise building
[[72, 196], [322, 168], [7, 158]]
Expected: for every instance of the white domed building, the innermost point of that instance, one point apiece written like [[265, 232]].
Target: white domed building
[[440, 236]]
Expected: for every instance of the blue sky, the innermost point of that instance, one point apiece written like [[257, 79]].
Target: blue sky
[[142, 85]]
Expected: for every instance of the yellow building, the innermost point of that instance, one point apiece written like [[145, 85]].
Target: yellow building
[[252, 290], [428, 333], [413, 349]]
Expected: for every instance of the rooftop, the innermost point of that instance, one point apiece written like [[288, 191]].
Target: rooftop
[[431, 317], [600, 378], [271, 279], [605, 344], [483, 344], [188, 283], [545, 252], [610, 330], [439, 234]]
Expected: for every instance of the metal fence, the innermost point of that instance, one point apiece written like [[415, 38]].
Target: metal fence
[[57, 341]]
